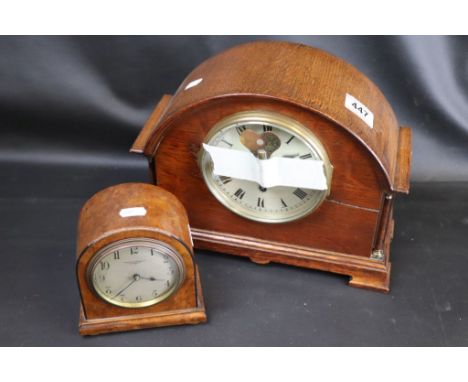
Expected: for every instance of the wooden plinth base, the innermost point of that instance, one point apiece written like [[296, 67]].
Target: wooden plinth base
[[379, 282], [365, 273], [194, 315]]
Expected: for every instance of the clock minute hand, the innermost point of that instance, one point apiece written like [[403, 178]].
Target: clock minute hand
[[136, 277]]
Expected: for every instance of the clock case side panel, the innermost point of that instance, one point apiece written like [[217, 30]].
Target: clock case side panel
[[374, 272], [149, 132]]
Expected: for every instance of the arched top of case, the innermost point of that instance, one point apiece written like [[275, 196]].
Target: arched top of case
[[306, 77], [130, 207]]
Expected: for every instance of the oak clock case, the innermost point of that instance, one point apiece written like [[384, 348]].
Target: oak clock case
[[135, 263], [366, 155]]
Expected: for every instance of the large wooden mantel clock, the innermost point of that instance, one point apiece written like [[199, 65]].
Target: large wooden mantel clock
[[282, 152]]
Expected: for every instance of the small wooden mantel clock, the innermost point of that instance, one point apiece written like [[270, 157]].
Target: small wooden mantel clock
[[135, 265], [282, 152]]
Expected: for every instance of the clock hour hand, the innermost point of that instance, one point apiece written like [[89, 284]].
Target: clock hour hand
[[151, 278], [290, 155]]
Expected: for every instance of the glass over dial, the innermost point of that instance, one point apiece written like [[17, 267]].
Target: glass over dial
[[283, 137], [136, 273]]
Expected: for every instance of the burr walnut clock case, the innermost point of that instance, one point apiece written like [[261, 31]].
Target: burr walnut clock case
[[135, 265], [263, 102]]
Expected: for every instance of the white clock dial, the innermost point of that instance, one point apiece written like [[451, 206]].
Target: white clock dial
[[249, 199], [136, 273]]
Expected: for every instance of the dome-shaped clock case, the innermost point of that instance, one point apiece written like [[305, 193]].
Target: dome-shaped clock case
[[146, 215], [350, 232]]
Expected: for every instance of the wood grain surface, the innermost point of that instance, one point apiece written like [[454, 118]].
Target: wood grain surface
[[100, 224], [308, 85]]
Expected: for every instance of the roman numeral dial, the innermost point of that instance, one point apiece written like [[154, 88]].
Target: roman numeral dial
[[240, 193], [240, 129], [252, 200], [301, 194]]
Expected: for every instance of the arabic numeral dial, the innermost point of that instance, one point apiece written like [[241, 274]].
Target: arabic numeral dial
[[136, 273]]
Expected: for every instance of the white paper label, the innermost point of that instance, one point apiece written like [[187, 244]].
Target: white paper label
[[360, 110], [133, 211], [268, 172], [193, 83]]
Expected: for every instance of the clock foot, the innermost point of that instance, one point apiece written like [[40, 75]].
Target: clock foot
[[101, 326], [260, 261], [378, 281]]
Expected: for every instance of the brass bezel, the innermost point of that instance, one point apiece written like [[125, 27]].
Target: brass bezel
[[282, 122], [125, 243]]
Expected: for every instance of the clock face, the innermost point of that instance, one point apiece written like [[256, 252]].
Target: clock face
[[136, 273], [286, 138]]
